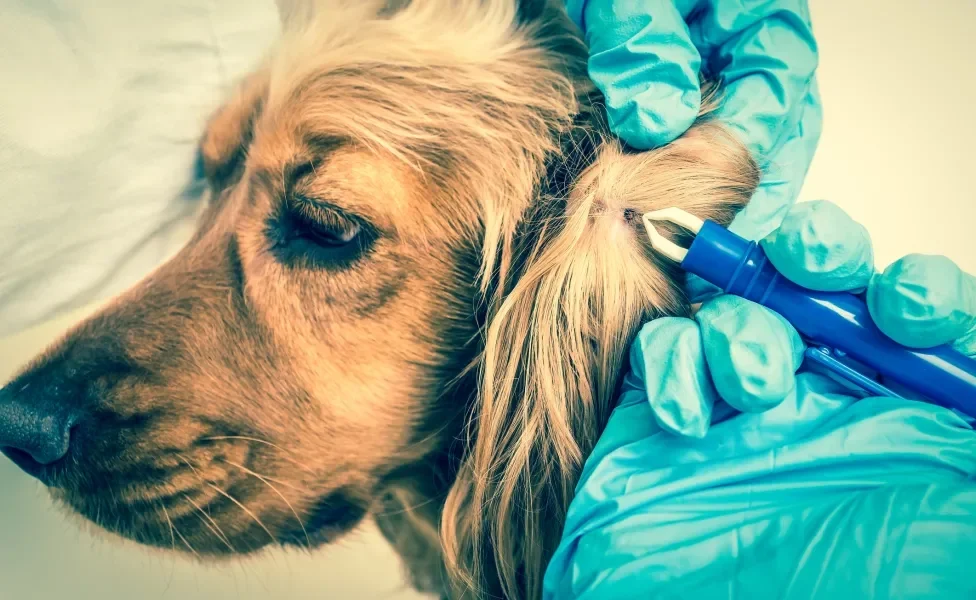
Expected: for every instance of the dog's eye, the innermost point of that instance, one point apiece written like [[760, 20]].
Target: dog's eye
[[318, 235], [329, 235]]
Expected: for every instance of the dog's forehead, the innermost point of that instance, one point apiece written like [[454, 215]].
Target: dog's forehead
[[369, 184]]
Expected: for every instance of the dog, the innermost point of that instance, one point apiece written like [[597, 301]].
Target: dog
[[409, 298]]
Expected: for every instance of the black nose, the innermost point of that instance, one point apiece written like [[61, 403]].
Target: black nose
[[34, 431]]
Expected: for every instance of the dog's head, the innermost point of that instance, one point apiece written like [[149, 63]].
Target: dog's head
[[420, 249]]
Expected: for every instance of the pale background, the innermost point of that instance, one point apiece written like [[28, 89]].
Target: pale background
[[898, 82]]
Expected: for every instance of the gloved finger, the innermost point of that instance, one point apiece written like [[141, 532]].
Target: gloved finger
[[778, 190], [766, 55], [923, 301], [784, 174], [644, 62], [667, 356], [752, 353], [820, 247]]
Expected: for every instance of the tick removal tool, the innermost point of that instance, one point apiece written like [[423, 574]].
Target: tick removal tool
[[840, 335]]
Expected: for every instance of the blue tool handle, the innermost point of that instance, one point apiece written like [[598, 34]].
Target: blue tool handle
[[841, 371], [837, 320]]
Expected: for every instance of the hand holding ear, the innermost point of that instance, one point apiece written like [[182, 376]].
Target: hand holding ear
[[646, 57]]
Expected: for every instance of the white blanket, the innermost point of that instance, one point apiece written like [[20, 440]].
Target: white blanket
[[102, 103]]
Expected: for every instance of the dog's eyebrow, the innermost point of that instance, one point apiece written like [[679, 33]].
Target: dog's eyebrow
[[316, 148], [321, 145]]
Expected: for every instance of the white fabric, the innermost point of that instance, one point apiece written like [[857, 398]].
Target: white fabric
[[102, 103]]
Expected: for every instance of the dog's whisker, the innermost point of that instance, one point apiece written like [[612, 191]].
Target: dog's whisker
[[244, 508], [176, 530], [186, 543], [212, 525], [271, 479], [172, 536], [218, 532], [308, 540], [228, 496], [405, 509], [187, 462], [260, 441]]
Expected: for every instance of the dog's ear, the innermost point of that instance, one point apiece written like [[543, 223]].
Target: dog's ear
[[556, 345], [229, 131]]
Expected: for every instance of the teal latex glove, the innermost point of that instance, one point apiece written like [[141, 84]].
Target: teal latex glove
[[646, 56], [823, 495]]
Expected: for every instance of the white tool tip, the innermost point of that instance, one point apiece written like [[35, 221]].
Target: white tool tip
[[671, 215]]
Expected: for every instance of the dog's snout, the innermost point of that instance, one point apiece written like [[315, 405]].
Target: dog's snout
[[35, 428]]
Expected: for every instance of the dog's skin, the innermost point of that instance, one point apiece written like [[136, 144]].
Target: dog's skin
[[402, 301]]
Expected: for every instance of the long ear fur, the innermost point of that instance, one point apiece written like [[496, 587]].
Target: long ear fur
[[555, 347]]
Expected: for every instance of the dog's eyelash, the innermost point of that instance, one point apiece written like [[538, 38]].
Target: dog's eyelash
[[326, 215], [315, 235]]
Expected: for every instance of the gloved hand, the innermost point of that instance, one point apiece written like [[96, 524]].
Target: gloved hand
[[646, 56], [746, 355], [824, 495]]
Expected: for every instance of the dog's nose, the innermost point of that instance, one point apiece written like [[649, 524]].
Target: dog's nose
[[35, 430]]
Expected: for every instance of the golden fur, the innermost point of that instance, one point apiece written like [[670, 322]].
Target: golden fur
[[449, 372]]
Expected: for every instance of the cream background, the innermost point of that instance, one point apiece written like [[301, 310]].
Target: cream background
[[897, 79]]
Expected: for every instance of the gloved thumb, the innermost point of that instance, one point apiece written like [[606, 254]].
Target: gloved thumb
[[667, 357], [752, 352]]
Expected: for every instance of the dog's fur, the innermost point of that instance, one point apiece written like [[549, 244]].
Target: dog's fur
[[446, 371]]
